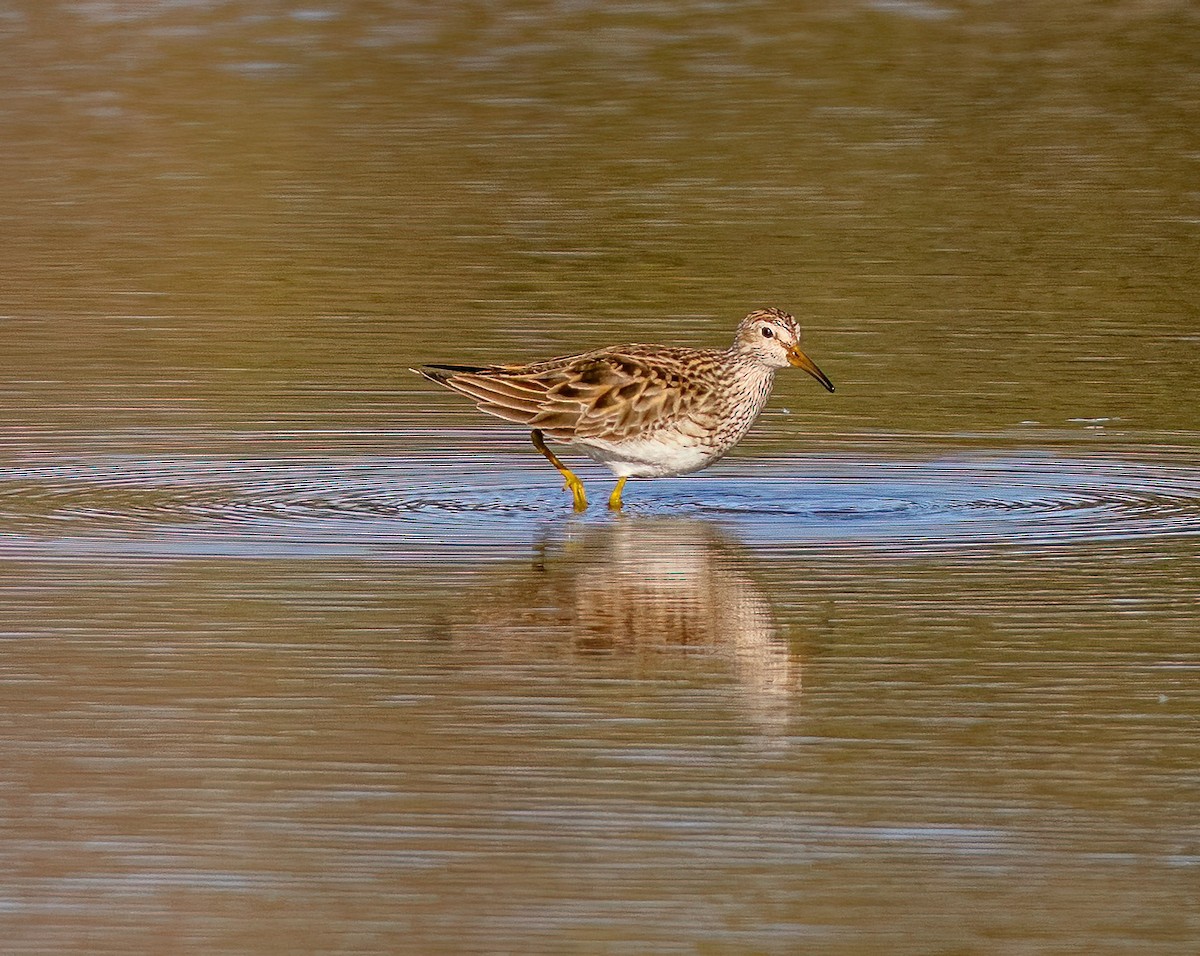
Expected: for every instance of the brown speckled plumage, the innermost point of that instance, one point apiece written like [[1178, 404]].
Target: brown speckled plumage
[[643, 410]]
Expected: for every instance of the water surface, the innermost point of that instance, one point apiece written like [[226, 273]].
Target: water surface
[[301, 654]]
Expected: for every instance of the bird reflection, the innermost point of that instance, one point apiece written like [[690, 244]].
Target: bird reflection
[[657, 592]]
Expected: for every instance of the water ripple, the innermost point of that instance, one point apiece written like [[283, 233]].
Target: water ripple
[[429, 507]]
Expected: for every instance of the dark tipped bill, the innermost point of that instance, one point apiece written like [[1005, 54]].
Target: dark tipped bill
[[800, 360]]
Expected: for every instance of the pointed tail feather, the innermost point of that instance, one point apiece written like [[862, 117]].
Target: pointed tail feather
[[441, 373]]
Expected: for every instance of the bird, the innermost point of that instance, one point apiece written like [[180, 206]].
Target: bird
[[644, 411]]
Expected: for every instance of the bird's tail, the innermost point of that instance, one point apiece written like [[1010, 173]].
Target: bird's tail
[[443, 373]]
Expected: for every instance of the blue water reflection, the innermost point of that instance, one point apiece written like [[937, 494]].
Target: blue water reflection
[[440, 509]]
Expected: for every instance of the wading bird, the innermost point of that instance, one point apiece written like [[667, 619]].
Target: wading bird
[[645, 411]]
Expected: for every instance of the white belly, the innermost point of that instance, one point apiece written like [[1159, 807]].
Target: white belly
[[651, 457]]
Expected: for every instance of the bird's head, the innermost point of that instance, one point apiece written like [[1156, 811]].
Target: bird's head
[[772, 338]]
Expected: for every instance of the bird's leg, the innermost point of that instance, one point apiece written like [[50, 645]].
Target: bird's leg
[[570, 481], [614, 500]]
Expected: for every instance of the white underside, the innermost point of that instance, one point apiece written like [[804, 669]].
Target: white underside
[[649, 457]]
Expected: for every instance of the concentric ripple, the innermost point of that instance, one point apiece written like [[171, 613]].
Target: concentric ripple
[[451, 508]]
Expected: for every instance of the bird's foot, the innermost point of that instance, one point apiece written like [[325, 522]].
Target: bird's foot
[[575, 486], [614, 500]]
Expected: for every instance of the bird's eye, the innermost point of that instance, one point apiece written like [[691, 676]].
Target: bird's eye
[[768, 334]]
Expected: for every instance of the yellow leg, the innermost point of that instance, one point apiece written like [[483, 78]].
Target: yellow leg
[[614, 501], [570, 481]]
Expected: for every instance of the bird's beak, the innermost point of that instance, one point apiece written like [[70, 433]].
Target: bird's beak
[[800, 360]]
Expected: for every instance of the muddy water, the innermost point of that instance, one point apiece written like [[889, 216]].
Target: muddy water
[[302, 655]]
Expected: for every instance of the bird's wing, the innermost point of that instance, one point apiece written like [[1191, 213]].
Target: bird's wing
[[496, 389], [608, 393], [613, 395]]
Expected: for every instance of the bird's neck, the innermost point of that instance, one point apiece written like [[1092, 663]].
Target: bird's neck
[[753, 378], [749, 363]]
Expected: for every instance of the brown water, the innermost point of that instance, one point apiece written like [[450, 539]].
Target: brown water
[[302, 655]]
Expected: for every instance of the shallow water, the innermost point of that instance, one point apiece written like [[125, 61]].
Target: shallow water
[[302, 654], [440, 509], [854, 700]]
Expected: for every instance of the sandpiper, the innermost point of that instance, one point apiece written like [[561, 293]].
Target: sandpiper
[[645, 411]]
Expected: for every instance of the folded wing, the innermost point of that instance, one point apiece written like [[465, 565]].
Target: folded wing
[[611, 394]]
